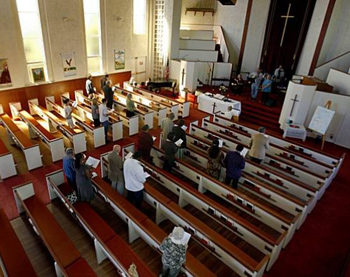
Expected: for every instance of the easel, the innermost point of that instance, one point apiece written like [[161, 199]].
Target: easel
[[327, 106]]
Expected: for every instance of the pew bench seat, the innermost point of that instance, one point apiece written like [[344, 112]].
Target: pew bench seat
[[11, 251]]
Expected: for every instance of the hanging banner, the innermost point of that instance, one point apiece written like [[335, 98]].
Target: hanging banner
[[69, 66], [119, 59]]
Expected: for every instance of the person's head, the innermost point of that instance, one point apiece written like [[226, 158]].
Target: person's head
[[181, 123], [106, 75], [104, 101], [94, 101], [239, 76], [262, 130], [239, 147], [145, 128], [143, 83], [177, 235], [79, 160], [69, 152], [66, 101], [171, 136], [129, 96], [171, 116], [89, 77], [214, 149], [268, 77], [109, 83], [280, 67], [116, 148], [229, 108], [137, 155]]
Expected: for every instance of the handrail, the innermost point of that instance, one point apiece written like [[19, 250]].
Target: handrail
[[322, 64]]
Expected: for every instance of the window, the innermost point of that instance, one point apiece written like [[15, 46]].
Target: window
[[93, 35], [158, 46], [139, 17], [29, 19]]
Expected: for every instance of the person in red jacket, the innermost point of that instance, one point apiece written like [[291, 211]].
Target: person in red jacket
[[145, 144]]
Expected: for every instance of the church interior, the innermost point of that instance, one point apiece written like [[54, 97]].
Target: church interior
[[187, 85]]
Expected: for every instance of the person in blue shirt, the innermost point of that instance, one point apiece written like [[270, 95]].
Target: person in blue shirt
[[69, 169], [234, 163], [266, 88]]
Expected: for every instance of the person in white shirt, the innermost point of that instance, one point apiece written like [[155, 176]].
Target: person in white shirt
[[89, 87], [104, 112], [135, 177], [68, 113]]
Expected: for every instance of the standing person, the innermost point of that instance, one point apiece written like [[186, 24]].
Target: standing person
[[234, 163], [104, 116], [257, 77], [68, 113], [69, 169], [266, 88], [258, 145], [104, 81], [173, 253], [83, 179], [89, 87], [134, 179], [238, 84], [215, 160], [95, 112], [170, 150], [145, 144], [180, 134], [115, 169], [167, 126], [279, 75], [130, 106], [108, 92]]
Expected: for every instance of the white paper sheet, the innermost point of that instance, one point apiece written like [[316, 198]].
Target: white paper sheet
[[244, 152], [129, 155], [154, 138], [147, 175], [94, 174], [91, 161], [184, 127], [221, 143], [179, 142], [75, 104]]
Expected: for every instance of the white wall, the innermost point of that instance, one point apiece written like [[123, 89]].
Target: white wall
[[340, 81], [190, 18], [232, 19], [311, 39], [61, 36], [256, 35]]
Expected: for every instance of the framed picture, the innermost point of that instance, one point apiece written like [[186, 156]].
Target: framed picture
[[38, 74], [5, 78], [119, 59]]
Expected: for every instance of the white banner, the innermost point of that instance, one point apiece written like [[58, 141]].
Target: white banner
[[69, 66]]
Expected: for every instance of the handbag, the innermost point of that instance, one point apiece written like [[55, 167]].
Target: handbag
[[72, 197]]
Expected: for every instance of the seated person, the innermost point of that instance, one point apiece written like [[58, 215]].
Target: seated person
[[143, 85], [237, 84]]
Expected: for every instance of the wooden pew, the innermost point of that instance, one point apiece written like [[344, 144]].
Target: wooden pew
[[68, 261], [297, 151], [7, 162], [270, 215], [184, 106], [96, 132], [12, 253], [107, 243], [17, 137], [273, 159], [140, 226], [232, 221], [142, 103], [150, 100], [56, 145], [56, 122], [84, 112], [306, 192]]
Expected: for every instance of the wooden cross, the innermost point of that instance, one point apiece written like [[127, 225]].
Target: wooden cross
[[294, 100], [287, 16], [214, 106], [183, 76]]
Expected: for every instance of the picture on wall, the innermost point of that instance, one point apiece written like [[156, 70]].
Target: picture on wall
[[5, 78], [69, 66], [38, 74], [119, 59]]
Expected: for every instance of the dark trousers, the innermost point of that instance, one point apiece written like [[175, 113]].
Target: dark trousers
[[135, 197], [168, 165], [97, 122], [109, 104], [130, 114], [231, 181], [72, 183], [256, 160], [105, 125], [265, 97]]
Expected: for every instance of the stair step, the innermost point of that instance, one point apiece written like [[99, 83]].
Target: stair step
[[258, 117], [255, 111]]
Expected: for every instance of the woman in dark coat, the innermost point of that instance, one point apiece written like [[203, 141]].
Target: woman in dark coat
[[83, 179]]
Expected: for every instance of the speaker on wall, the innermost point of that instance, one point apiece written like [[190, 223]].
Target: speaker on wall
[[228, 2]]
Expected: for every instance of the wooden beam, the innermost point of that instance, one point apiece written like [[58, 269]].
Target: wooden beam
[[322, 36], [244, 37]]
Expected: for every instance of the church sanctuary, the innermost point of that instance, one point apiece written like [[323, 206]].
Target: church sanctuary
[[175, 138]]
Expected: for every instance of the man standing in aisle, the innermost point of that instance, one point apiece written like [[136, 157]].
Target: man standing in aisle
[[258, 145], [234, 163], [89, 87], [104, 117], [115, 169], [167, 126], [108, 92], [135, 177]]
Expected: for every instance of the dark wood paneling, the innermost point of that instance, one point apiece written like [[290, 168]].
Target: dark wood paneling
[[322, 36], [24, 94]]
